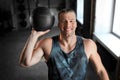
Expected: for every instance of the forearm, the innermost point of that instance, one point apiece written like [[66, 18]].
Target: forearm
[[27, 51], [103, 75], [30, 53]]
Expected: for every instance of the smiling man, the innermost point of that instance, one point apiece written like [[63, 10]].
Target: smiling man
[[67, 55]]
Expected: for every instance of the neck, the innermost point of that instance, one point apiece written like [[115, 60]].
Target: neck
[[66, 40]]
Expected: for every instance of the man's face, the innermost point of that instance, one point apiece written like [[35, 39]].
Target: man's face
[[67, 23]]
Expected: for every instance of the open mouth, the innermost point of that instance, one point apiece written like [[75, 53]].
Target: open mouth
[[67, 29]]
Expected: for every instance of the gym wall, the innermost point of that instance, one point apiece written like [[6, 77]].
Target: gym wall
[[21, 13]]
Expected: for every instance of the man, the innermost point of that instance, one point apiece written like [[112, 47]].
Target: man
[[66, 55]]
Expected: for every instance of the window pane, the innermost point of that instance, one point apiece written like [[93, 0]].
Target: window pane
[[80, 8], [103, 16], [116, 23]]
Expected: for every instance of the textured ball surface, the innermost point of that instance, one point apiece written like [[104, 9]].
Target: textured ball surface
[[42, 19]]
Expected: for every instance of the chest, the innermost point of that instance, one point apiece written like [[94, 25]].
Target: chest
[[70, 65], [68, 48]]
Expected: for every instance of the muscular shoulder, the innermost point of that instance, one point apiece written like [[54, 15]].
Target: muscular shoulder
[[45, 42], [46, 45], [89, 43], [90, 47]]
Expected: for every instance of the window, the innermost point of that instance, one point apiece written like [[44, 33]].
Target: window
[[80, 9], [107, 19], [103, 16], [116, 21]]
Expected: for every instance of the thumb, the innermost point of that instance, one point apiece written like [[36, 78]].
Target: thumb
[[47, 31], [43, 32]]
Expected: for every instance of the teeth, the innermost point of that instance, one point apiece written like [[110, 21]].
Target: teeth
[[68, 29]]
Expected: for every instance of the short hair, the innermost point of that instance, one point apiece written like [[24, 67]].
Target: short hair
[[65, 11]]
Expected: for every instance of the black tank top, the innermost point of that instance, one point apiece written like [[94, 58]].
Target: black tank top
[[62, 66]]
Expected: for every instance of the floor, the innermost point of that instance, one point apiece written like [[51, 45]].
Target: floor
[[11, 45]]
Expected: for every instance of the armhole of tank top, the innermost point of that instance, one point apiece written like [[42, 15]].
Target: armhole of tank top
[[82, 38], [53, 44], [51, 50]]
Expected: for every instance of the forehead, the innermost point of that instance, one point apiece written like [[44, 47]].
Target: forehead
[[68, 15]]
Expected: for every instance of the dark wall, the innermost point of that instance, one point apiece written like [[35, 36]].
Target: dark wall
[[108, 60], [29, 5], [87, 13], [86, 29], [5, 17], [4, 4]]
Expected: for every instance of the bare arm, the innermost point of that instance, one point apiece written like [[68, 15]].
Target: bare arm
[[31, 54], [98, 66], [95, 59]]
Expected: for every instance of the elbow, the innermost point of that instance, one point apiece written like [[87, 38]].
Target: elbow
[[103, 75], [24, 64], [21, 64]]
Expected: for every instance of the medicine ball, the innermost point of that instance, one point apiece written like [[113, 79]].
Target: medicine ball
[[42, 19]]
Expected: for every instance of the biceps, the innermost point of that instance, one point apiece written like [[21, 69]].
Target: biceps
[[37, 55], [96, 62]]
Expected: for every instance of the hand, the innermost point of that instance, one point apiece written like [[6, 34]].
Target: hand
[[38, 33]]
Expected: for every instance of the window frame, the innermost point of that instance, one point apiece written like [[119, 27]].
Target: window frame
[[80, 11], [113, 18], [103, 27]]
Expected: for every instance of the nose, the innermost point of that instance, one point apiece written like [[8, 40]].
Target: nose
[[67, 24]]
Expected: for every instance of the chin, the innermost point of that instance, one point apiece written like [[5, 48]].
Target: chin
[[69, 35]]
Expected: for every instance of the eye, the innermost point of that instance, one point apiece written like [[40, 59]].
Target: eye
[[63, 21], [72, 21]]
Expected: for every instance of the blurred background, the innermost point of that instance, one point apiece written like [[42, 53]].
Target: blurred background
[[15, 28]]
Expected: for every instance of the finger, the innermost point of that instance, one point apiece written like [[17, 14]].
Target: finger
[[43, 32], [47, 31]]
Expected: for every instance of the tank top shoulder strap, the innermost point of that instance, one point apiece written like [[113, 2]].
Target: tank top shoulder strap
[[55, 44], [55, 41], [80, 43], [79, 39]]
